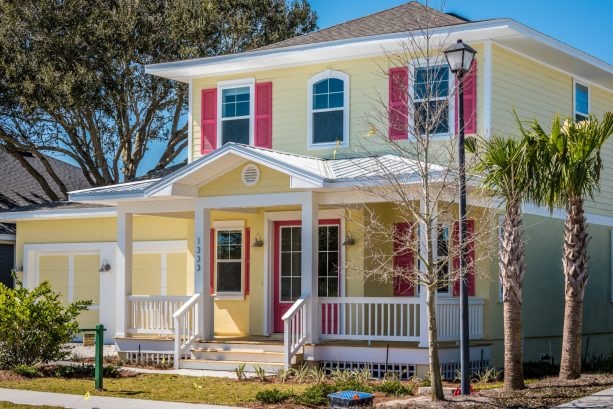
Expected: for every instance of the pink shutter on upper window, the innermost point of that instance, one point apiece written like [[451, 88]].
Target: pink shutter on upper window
[[247, 258], [398, 102], [263, 114], [404, 259], [208, 130], [470, 257], [470, 101]]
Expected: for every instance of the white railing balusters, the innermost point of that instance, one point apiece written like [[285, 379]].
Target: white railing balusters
[[295, 328], [152, 314], [448, 318], [186, 326]]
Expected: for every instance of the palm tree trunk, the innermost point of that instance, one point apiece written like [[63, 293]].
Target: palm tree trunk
[[574, 260], [512, 268], [436, 383]]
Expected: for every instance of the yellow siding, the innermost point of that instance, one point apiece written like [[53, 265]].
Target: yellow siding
[[87, 278], [231, 183], [146, 276], [368, 85], [176, 274], [533, 89], [601, 101], [88, 319], [54, 269]]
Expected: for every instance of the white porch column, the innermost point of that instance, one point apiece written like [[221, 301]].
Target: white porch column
[[310, 231], [123, 267], [423, 291], [202, 269]]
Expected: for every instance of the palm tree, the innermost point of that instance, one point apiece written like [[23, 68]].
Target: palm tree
[[503, 164], [566, 172]]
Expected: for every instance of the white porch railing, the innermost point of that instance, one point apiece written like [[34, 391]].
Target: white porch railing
[[152, 314], [187, 326], [370, 318], [295, 329], [448, 318]]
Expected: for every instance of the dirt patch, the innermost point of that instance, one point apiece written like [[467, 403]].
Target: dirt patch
[[10, 376]]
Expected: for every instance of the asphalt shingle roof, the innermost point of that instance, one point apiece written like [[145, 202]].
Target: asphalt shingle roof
[[406, 17]]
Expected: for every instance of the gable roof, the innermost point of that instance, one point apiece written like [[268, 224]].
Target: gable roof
[[304, 172], [406, 17]]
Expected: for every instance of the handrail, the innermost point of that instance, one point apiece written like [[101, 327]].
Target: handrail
[[295, 332], [187, 326]]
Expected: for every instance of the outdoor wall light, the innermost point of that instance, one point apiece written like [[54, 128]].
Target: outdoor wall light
[[257, 242], [105, 267], [349, 240]]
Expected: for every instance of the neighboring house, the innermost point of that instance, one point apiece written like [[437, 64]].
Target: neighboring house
[[17, 189], [214, 251]]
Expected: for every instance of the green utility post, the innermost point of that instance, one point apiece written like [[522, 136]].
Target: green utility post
[[98, 349]]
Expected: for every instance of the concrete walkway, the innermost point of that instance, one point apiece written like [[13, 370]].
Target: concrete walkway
[[602, 400], [94, 402]]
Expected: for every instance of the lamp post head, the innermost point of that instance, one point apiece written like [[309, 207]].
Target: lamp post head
[[459, 57]]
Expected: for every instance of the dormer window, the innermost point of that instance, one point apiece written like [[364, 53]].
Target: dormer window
[[582, 102], [235, 112], [328, 117]]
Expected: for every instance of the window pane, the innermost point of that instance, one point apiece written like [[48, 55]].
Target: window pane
[[333, 238], [432, 82], [432, 116], [443, 273], [336, 100], [322, 265], [335, 85], [296, 264], [581, 99], [321, 87], [286, 264], [323, 238], [333, 264], [322, 287], [327, 126], [228, 110], [242, 94], [235, 130], [296, 238], [229, 277], [242, 108], [236, 252], [286, 239], [236, 237], [235, 102], [333, 287], [442, 241], [286, 289], [320, 101], [296, 288]]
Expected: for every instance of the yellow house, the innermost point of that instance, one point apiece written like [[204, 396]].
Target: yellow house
[[246, 254]]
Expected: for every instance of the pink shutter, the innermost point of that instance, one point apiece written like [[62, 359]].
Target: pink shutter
[[208, 139], [398, 103], [212, 263], [470, 101], [470, 257], [403, 259], [247, 244], [263, 114]]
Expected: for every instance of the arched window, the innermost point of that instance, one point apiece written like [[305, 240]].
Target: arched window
[[328, 110]]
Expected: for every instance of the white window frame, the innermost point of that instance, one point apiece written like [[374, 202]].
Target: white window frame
[[589, 98], [240, 83], [423, 63], [312, 81], [227, 226], [449, 227]]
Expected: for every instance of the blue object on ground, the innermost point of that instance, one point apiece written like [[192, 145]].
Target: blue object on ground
[[351, 399]]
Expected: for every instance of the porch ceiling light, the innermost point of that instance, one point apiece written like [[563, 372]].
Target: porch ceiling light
[[459, 57], [257, 242], [349, 240]]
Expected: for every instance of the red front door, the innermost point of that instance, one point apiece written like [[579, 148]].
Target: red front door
[[287, 268]]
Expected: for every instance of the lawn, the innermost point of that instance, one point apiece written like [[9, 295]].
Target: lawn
[[9, 405], [219, 391]]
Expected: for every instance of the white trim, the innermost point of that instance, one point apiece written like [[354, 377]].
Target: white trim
[[577, 81], [487, 88], [190, 119], [161, 246], [230, 84], [58, 214], [434, 62], [326, 74], [224, 226]]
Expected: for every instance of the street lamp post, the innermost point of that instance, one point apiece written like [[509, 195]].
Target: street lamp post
[[459, 57]]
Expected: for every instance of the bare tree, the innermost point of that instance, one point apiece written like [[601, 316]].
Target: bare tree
[[420, 180]]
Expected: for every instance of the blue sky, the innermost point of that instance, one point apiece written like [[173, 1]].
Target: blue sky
[[583, 24]]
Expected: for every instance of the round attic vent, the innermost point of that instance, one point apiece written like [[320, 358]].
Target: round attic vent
[[250, 174]]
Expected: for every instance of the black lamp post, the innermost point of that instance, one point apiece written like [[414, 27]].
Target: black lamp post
[[460, 57]]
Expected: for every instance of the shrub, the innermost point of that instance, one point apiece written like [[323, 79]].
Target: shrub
[[272, 396], [27, 371], [315, 395], [351, 385], [35, 325], [598, 363], [539, 370], [81, 371], [393, 387]]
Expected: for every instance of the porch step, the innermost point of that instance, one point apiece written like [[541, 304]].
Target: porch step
[[239, 345], [235, 354], [230, 366]]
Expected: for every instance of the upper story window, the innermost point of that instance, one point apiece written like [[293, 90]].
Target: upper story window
[[236, 112], [328, 116], [582, 102], [431, 89]]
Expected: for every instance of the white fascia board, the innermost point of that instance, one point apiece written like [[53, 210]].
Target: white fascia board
[[321, 52], [57, 214], [110, 198]]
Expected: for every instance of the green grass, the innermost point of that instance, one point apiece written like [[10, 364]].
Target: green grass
[[9, 405], [174, 388]]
